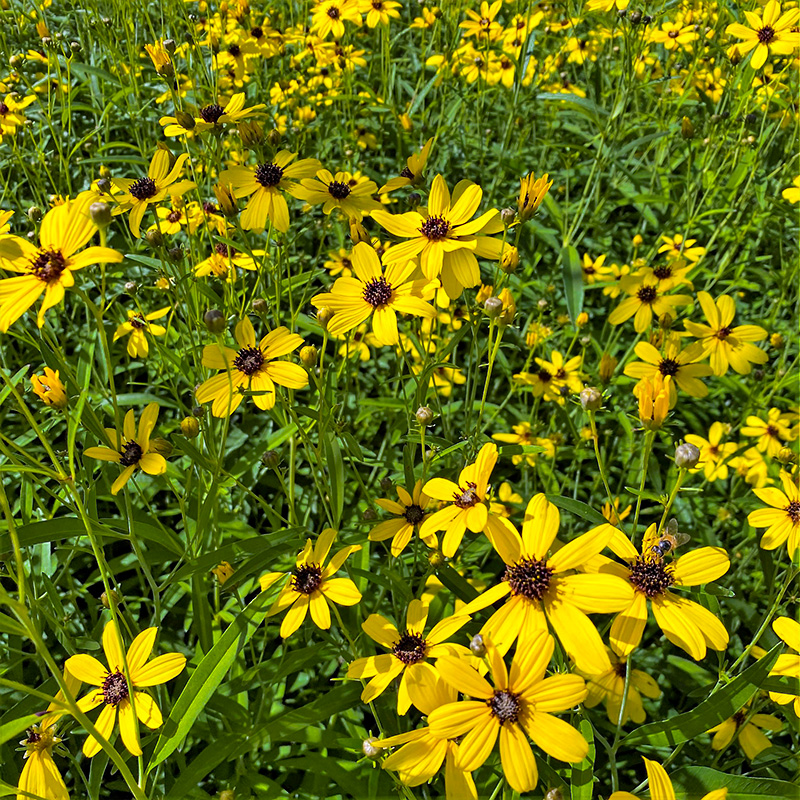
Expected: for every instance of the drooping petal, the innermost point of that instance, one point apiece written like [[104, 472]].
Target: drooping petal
[[516, 756]]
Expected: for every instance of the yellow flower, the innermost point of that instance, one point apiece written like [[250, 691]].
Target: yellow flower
[[746, 727], [370, 293], [138, 325], [593, 269], [49, 268], [613, 513], [680, 365], [329, 16], [160, 58], [771, 434], [312, 586], [11, 116], [136, 195], [782, 519], [531, 193], [674, 35], [132, 449], [415, 166], [653, 394], [661, 786], [250, 368], [265, 182], [522, 435], [49, 388], [224, 261], [788, 664], [646, 299], [351, 195], [676, 247], [211, 116], [445, 237], [752, 467], [723, 344], [541, 588], [482, 22], [770, 33], [379, 11], [713, 454], [792, 193], [408, 654], [124, 673], [409, 515], [499, 500], [521, 702], [686, 624], [223, 571]]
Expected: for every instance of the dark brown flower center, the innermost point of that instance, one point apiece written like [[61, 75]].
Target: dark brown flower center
[[651, 577], [257, 32], [668, 366], [338, 190], [144, 189], [33, 737], [131, 454], [663, 272], [115, 688], [407, 173], [766, 34], [772, 431], [529, 577], [414, 514], [333, 12], [590, 270], [619, 669], [4, 109], [435, 229], [211, 113], [544, 376], [224, 250], [138, 322], [48, 265], [378, 292], [235, 50], [174, 216], [793, 512], [466, 498], [410, 648], [724, 333], [269, 174], [673, 34], [647, 294], [249, 360], [505, 705], [307, 578], [739, 717]]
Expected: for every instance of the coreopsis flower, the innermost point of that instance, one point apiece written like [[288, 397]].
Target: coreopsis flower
[[614, 514], [371, 293], [606, 5], [522, 701], [421, 755], [770, 434], [565, 374], [788, 664], [5, 226], [723, 344], [523, 435], [645, 299], [482, 22], [211, 116], [161, 181], [224, 261], [593, 269], [409, 652], [766, 34], [542, 588], [137, 327], [328, 17], [673, 272], [686, 624], [351, 195], [311, 585], [653, 394], [409, 514], [124, 673], [676, 247], [792, 193], [160, 58], [674, 35], [751, 466], [713, 452], [131, 448], [680, 365], [661, 786], [609, 686], [222, 572], [782, 519], [445, 237], [532, 191], [49, 388], [379, 12], [40, 776], [264, 184], [252, 368], [747, 729], [412, 174], [11, 116], [466, 504], [499, 501], [49, 268]]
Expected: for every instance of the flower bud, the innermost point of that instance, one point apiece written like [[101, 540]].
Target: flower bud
[[154, 238], [405, 121], [106, 600], [591, 399], [223, 571], [103, 186], [424, 415], [190, 427], [776, 340], [34, 214], [274, 137], [386, 484], [369, 749], [260, 305], [369, 515], [637, 241], [185, 120], [507, 216], [665, 322], [175, 254], [271, 459], [493, 307], [477, 646], [161, 446], [251, 133], [308, 356], [226, 794], [607, 366], [635, 17], [358, 233], [49, 388], [199, 412], [215, 320], [436, 558], [582, 319], [786, 455], [324, 316], [169, 45], [509, 261], [687, 129], [225, 200], [734, 55], [554, 794], [687, 455], [100, 214], [131, 288], [414, 199]]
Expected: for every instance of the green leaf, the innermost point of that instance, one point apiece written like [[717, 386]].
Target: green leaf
[[721, 705], [335, 464], [456, 583], [578, 508], [572, 275], [582, 774], [693, 782], [14, 728]]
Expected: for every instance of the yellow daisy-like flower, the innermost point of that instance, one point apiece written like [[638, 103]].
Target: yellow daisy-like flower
[[679, 365], [782, 520], [49, 268], [646, 298], [593, 269], [328, 17], [654, 396], [132, 449], [11, 116], [747, 728], [351, 195], [413, 172], [531, 193], [770, 33], [674, 35], [661, 786], [523, 435], [211, 116], [409, 515], [445, 237], [409, 652], [371, 293], [676, 247], [312, 586], [265, 182], [770, 434], [138, 326], [792, 193], [543, 588], [224, 261], [49, 388], [685, 623], [522, 701], [379, 12], [124, 673], [565, 375], [723, 344], [136, 195], [250, 368], [713, 453], [788, 664]]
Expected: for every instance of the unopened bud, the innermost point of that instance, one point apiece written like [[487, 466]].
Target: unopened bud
[[161, 446], [786, 455], [100, 214], [776, 340], [665, 322], [271, 459], [478, 646], [175, 254], [369, 749], [169, 45], [199, 412], [414, 199], [591, 399], [34, 214], [542, 304], [735, 56], [226, 794], [251, 133], [274, 137], [582, 319], [190, 427], [260, 305], [185, 120], [107, 599], [509, 261], [308, 356], [370, 515], [424, 415], [103, 185], [215, 320], [687, 129], [554, 794], [635, 17], [131, 287], [226, 201], [507, 216], [324, 316], [436, 558], [154, 238], [758, 374], [386, 484], [687, 455], [493, 307]]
